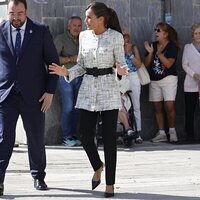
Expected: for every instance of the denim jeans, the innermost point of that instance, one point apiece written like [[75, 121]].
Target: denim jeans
[[69, 115]]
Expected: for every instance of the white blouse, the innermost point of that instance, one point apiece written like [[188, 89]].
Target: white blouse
[[101, 51], [191, 65]]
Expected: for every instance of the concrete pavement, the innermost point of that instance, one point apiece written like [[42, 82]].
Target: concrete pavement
[[145, 172]]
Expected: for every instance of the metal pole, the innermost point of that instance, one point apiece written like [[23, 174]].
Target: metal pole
[[163, 10]]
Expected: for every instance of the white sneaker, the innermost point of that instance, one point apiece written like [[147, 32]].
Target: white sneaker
[[160, 138], [173, 136]]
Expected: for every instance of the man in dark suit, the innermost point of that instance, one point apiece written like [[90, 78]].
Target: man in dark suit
[[26, 87]]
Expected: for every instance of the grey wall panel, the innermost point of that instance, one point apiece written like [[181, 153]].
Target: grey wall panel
[[196, 14], [74, 10], [56, 25], [34, 10], [182, 12], [140, 18], [76, 2], [53, 8]]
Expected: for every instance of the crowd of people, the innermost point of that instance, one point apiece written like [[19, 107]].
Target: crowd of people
[[85, 66]]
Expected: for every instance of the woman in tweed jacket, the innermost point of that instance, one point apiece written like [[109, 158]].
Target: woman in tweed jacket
[[101, 47]]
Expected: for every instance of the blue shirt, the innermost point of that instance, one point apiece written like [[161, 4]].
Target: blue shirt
[[131, 66]]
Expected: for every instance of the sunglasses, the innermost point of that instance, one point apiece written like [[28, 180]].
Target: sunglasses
[[157, 30]]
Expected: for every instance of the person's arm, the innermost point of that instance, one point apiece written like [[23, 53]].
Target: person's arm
[[58, 41], [68, 59], [167, 62], [149, 56], [185, 61], [119, 55], [75, 71], [136, 60], [187, 56], [49, 55], [64, 60]]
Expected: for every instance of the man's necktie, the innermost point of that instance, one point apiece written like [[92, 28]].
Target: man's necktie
[[17, 51], [18, 42]]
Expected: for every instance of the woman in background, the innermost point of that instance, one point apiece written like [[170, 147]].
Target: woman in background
[[133, 61], [161, 59], [191, 65]]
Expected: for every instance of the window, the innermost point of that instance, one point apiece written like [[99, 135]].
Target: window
[[3, 1], [3, 9]]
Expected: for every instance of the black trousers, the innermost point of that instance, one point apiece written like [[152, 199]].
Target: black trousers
[[88, 122], [191, 100]]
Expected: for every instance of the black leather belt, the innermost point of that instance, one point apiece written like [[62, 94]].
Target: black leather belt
[[99, 72]]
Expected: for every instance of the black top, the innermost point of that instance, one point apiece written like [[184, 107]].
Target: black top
[[156, 71]]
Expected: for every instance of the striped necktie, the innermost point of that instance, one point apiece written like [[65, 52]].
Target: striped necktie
[[18, 42]]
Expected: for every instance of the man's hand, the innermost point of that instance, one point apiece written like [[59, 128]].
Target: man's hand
[[46, 100]]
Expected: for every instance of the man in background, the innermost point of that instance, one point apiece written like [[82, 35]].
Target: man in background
[[67, 45]]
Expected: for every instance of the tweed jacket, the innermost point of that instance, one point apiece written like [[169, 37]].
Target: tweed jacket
[[98, 51]]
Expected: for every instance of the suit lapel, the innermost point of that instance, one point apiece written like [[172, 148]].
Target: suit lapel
[[7, 34], [29, 31]]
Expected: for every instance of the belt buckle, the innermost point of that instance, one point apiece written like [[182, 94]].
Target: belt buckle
[[95, 72]]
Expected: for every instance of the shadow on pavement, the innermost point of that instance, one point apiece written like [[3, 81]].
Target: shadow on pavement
[[145, 146], [88, 194]]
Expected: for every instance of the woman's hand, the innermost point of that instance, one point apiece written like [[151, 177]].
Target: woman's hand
[[122, 70], [148, 47], [58, 70]]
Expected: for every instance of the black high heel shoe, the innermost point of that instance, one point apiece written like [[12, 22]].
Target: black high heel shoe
[[96, 183], [109, 194]]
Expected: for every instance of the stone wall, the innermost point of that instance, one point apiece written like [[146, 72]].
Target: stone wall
[[140, 17]]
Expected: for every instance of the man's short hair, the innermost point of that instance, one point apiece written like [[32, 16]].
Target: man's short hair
[[16, 2], [74, 17]]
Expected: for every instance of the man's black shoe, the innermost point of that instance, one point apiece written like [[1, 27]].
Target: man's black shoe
[[40, 184], [1, 189]]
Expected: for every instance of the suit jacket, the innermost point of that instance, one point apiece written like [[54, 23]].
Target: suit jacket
[[29, 70]]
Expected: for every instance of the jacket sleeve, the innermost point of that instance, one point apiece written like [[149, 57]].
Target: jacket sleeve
[[119, 49], [79, 68], [185, 61], [50, 56]]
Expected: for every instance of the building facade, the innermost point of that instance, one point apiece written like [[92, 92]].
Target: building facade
[[140, 18]]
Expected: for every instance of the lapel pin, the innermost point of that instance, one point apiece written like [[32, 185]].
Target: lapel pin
[[30, 31]]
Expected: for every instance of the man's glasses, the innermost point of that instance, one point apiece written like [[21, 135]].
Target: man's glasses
[[157, 30], [16, 15]]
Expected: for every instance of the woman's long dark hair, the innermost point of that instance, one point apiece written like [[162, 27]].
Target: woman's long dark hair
[[110, 16]]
